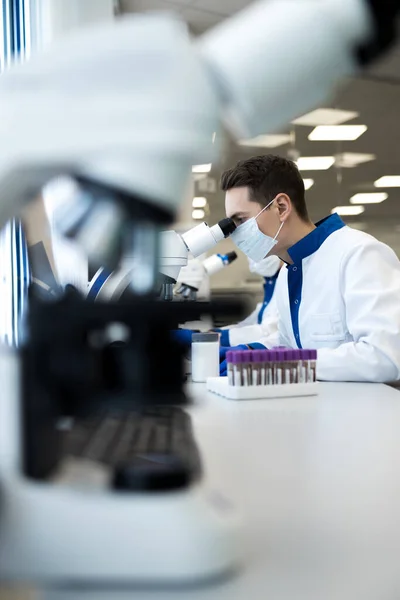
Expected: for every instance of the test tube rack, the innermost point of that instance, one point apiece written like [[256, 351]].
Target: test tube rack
[[221, 387], [276, 373]]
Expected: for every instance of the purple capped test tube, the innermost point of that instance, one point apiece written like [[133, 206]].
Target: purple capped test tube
[[280, 366], [296, 366], [229, 364], [304, 366], [313, 366], [237, 362], [247, 358], [287, 366], [258, 367], [271, 371]]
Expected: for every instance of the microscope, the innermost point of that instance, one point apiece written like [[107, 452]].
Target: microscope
[[174, 252], [192, 276], [196, 241], [119, 124]]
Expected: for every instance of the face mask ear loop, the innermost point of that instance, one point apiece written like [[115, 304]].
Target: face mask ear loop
[[277, 233], [265, 208]]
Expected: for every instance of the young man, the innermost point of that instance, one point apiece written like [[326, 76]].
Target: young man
[[340, 289]]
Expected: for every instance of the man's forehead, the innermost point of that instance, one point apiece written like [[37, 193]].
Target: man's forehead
[[237, 199]]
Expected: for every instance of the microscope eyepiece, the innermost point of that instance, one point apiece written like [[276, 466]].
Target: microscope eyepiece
[[229, 257], [227, 226]]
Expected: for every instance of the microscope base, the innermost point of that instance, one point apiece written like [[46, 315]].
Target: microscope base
[[54, 535]]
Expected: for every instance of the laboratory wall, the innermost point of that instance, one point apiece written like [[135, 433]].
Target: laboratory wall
[[356, 169]]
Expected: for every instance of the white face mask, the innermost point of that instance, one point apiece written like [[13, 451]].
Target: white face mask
[[267, 267], [253, 242]]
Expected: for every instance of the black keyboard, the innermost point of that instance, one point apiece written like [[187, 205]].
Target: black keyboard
[[151, 450]]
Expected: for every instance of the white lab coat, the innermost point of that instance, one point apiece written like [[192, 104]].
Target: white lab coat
[[249, 330], [349, 309]]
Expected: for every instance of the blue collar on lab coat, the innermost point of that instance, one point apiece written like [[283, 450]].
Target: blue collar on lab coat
[[311, 242]]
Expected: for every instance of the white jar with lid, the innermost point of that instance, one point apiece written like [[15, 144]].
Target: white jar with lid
[[205, 356]]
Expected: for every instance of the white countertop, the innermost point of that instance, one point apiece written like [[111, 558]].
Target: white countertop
[[317, 481]]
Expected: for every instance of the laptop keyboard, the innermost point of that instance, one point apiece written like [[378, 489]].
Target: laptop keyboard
[[150, 450]]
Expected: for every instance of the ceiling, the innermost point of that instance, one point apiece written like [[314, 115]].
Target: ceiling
[[375, 96], [199, 14]]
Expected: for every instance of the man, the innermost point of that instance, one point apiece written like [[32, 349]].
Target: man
[[340, 289]]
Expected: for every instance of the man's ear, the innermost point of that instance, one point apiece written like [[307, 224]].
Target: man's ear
[[284, 205]]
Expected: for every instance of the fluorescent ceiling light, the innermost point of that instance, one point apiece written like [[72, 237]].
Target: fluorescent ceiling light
[[267, 141], [315, 163], [388, 181], [198, 214], [325, 116], [202, 168], [349, 160], [348, 210], [308, 183], [332, 133], [369, 198], [199, 202]]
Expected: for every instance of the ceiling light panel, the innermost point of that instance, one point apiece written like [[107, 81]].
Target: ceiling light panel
[[388, 181], [333, 133], [325, 116], [369, 198], [199, 202], [348, 160], [315, 163], [308, 183], [198, 214], [267, 141], [348, 210], [202, 168]]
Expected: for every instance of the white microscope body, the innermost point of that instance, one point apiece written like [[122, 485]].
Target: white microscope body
[[146, 101], [194, 279], [173, 256]]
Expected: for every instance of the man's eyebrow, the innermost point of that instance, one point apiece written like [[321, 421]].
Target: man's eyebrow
[[239, 215]]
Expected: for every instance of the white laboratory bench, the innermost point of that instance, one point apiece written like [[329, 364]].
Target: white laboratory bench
[[317, 483]]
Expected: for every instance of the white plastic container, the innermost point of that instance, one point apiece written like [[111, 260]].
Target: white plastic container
[[205, 356]]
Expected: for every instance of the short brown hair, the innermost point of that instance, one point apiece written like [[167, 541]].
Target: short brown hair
[[266, 176]]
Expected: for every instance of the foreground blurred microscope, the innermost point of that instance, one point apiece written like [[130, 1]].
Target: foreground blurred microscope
[[111, 119]]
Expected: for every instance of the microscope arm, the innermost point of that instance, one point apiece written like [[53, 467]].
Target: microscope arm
[[175, 248]]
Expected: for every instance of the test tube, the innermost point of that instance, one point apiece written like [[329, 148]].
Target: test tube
[[258, 367], [237, 362], [313, 365], [263, 367], [283, 372], [269, 358], [229, 367], [294, 366], [246, 367], [277, 364], [286, 366], [303, 366]]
